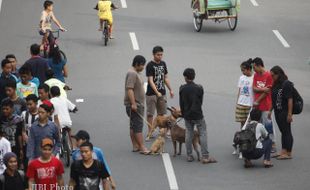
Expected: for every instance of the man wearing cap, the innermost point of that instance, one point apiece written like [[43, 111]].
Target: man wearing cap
[[12, 178], [83, 136], [46, 171]]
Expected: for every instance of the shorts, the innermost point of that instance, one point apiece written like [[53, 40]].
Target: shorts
[[110, 20], [136, 119], [242, 113], [159, 103]]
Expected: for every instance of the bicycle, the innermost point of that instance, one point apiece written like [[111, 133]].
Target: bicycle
[[105, 32], [65, 149], [54, 43]]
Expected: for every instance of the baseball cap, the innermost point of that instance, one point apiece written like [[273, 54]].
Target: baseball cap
[[47, 141], [81, 134]]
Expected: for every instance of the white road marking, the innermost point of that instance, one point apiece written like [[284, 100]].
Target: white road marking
[[134, 41], [124, 4], [255, 4], [0, 4], [79, 100], [280, 37], [170, 172]]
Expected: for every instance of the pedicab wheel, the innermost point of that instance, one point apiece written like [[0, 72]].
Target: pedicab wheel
[[232, 22], [198, 23]]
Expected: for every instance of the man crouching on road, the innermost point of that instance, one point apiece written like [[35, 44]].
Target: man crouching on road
[[191, 99]]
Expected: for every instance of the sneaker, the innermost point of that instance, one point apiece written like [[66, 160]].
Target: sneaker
[[234, 152], [190, 158]]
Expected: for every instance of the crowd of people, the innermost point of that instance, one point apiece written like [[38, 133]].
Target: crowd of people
[[34, 113], [259, 95]]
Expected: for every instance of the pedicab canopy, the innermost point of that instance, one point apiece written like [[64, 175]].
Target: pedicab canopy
[[203, 5]]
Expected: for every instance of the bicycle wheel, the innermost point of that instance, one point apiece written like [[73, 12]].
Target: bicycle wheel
[[198, 23], [106, 33], [232, 22]]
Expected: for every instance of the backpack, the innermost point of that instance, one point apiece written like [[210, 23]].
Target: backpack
[[298, 102], [2, 178], [246, 139]]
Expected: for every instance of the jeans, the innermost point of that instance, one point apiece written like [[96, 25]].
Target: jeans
[[265, 121], [259, 152], [202, 130]]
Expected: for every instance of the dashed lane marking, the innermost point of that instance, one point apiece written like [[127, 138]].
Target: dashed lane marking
[[170, 172], [281, 38], [255, 4], [134, 41], [124, 4]]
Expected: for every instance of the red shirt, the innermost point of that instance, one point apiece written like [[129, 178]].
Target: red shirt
[[262, 81], [45, 174]]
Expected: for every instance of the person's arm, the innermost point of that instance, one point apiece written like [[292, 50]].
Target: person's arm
[[132, 99], [21, 128], [263, 131], [31, 182], [153, 86], [30, 144], [167, 82], [60, 181], [290, 110], [72, 183], [57, 22], [181, 101], [65, 71]]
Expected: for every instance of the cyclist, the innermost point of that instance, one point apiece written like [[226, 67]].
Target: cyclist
[[47, 17], [105, 8]]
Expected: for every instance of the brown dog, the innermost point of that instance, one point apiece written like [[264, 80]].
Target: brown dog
[[160, 121], [158, 145], [178, 133]]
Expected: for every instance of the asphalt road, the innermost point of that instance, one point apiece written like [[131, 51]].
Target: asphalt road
[[96, 74]]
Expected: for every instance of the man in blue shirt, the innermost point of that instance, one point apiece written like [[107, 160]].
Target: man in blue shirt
[[83, 136]]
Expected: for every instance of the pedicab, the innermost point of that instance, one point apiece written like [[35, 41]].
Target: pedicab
[[217, 10]]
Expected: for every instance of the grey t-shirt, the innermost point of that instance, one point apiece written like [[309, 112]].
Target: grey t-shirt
[[135, 82]]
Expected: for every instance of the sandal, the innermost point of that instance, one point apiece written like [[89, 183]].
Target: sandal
[[248, 164], [284, 157], [145, 152], [135, 150], [268, 164], [209, 160]]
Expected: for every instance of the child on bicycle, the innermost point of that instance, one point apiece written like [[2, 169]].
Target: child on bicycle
[[47, 17], [105, 8]]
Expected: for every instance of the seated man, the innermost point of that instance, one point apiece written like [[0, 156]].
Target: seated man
[[263, 142]]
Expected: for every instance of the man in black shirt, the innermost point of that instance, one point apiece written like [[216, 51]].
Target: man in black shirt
[[37, 64], [191, 99], [12, 178], [157, 75], [86, 173]]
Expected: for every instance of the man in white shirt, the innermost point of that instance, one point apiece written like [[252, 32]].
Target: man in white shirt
[[62, 107], [5, 146]]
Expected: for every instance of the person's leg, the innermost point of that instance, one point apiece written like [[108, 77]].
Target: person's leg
[[267, 145], [287, 136], [281, 121], [202, 130], [137, 127], [189, 139], [132, 136], [100, 25]]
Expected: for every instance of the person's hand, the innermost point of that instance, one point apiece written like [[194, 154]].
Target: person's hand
[[171, 94], [255, 103], [159, 95], [134, 108], [289, 118], [269, 115], [266, 90], [62, 29]]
